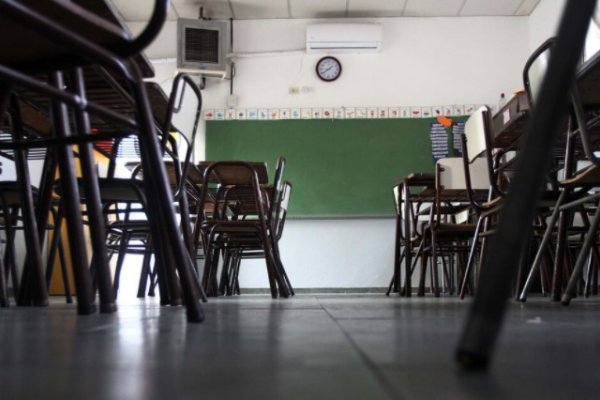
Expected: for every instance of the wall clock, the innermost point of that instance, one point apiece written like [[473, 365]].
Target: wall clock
[[329, 68]]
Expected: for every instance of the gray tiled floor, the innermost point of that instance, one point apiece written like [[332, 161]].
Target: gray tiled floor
[[308, 347]]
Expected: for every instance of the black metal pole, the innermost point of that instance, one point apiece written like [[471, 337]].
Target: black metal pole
[[501, 261]]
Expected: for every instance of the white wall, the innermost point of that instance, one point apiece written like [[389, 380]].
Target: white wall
[[424, 62], [331, 254], [543, 21]]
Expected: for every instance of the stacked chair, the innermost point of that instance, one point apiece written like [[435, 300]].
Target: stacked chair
[[460, 188], [412, 197], [45, 46], [241, 218], [237, 248], [123, 199], [437, 215]]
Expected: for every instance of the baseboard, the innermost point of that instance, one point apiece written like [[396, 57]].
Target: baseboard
[[359, 290]]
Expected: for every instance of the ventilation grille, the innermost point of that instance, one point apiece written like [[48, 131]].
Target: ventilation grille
[[202, 45]]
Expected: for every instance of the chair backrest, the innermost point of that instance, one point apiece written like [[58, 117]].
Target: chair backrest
[[282, 208], [452, 186], [226, 182], [478, 156], [278, 178], [181, 125], [276, 187], [535, 69], [230, 173], [533, 74], [177, 125], [452, 174], [477, 133], [396, 191]]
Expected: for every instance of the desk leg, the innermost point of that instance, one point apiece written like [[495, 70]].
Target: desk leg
[[33, 284]]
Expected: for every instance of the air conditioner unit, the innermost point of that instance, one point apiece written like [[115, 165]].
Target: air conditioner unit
[[202, 47], [343, 38]]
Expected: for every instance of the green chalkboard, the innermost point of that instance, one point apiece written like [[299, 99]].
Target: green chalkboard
[[338, 168]]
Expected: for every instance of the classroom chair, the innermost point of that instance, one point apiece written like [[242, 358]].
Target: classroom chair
[[451, 220], [124, 199]]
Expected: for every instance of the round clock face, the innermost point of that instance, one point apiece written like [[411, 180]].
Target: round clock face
[[329, 68]]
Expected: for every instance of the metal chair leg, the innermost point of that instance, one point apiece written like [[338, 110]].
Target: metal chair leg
[[33, 285], [4, 302], [71, 201], [94, 207], [590, 239], [542, 247]]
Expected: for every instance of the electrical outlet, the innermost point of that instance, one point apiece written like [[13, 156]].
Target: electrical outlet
[[294, 90]]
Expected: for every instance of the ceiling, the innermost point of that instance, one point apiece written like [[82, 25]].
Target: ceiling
[[140, 10]]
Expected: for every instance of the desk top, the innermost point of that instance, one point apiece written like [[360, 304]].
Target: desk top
[[588, 82], [510, 122]]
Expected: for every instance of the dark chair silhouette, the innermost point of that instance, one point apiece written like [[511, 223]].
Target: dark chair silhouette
[[235, 186], [126, 235], [451, 224], [243, 246], [50, 37]]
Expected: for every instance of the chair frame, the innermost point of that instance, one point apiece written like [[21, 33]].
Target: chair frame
[[163, 224]]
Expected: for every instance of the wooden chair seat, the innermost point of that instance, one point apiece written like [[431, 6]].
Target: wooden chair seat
[[588, 176]]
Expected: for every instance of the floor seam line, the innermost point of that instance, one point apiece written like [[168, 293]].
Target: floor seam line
[[388, 388]]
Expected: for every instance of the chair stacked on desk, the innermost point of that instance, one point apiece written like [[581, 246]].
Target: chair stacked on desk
[[579, 195], [62, 37]]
